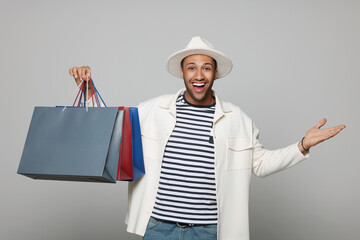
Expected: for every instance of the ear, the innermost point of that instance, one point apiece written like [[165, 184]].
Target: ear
[[216, 72], [182, 72]]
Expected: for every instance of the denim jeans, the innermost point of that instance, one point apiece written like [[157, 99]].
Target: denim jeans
[[158, 230]]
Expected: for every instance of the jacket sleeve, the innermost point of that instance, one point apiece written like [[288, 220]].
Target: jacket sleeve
[[266, 162]]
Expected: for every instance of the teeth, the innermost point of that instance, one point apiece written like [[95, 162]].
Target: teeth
[[199, 84]]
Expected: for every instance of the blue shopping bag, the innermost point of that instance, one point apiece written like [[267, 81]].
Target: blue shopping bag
[[137, 152]]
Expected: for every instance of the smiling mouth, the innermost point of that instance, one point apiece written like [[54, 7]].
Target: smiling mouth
[[198, 87]]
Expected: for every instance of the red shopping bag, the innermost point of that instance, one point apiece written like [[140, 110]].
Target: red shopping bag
[[125, 168]]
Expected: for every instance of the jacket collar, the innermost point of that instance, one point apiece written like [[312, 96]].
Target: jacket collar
[[221, 107]]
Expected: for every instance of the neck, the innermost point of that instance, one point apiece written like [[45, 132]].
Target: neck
[[209, 100]]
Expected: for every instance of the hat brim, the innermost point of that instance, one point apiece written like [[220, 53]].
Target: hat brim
[[224, 64]]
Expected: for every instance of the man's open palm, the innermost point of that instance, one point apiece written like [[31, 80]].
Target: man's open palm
[[316, 135]]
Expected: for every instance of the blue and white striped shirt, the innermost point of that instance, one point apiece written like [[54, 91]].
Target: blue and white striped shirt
[[187, 191]]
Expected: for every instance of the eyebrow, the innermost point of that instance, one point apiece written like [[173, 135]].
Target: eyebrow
[[204, 63]]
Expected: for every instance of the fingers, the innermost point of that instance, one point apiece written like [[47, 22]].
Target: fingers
[[321, 123], [87, 73], [331, 132], [315, 135], [73, 72], [336, 130], [80, 73]]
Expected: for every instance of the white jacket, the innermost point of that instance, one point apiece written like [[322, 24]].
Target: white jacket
[[237, 154]]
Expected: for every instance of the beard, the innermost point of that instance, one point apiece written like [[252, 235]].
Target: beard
[[199, 97]]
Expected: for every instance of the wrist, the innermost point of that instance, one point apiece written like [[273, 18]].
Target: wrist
[[303, 145]]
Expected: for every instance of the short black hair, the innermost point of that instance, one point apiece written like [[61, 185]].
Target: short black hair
[[182, 63]]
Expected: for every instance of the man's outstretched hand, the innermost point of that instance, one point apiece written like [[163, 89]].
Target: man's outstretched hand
[[316, 135]]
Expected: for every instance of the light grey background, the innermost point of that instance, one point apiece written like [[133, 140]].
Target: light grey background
[[294, 63]]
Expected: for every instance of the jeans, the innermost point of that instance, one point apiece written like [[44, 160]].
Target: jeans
[[158, 230]]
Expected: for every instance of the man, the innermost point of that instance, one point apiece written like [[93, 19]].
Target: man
[[199, 153]]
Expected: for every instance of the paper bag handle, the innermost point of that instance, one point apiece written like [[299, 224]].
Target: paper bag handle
[[83, 94]]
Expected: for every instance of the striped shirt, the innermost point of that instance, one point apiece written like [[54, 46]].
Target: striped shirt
[[187, 192]]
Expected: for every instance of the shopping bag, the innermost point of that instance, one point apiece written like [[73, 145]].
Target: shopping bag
[[74, 145], [125, 166], [131, 162], [137, 152]]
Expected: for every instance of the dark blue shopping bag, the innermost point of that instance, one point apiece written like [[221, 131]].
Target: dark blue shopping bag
[[74, 144]]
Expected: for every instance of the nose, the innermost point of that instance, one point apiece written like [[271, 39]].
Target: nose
[[199, 75]]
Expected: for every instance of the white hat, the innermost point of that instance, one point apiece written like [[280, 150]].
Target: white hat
[[197, 45]]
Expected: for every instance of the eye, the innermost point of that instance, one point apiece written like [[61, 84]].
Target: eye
[[207, 68], [191, 68]]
